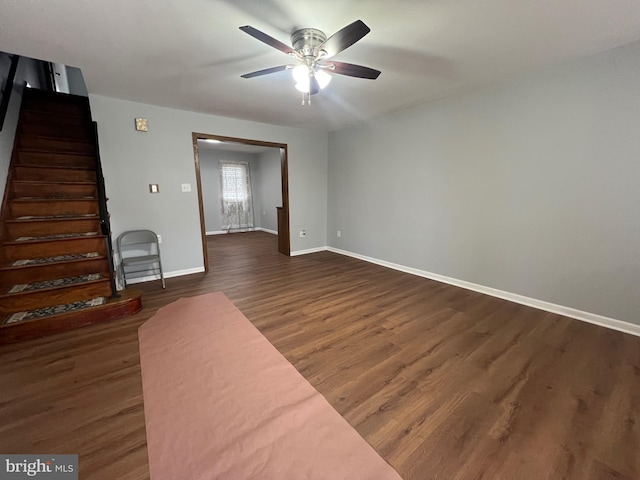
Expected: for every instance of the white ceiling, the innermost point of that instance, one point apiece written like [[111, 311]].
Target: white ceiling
[[189, 54]]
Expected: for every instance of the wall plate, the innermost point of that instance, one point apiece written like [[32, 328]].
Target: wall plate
[[141, 125]]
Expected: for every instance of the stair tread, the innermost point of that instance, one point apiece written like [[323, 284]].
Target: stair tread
[[31, 109], [48, 182], [48, 218], [61, 236], [93, 235], [54, 283], [56, 138], [57, 198], [75, 154], [53, 310], [73, 257], [57, 167]]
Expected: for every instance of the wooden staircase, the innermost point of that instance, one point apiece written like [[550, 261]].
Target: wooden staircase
[[56, 268]]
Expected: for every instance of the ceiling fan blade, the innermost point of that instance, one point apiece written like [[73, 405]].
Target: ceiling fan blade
[[314, 87], [344, 38], [263, 37], [266, 71], [352, 70]]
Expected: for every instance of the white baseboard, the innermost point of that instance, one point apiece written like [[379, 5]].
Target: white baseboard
[[175, 273], [272, 232], [593, 318], [308, 250], [217, 232]]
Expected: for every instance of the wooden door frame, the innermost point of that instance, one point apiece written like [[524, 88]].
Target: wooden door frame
[[283, 230]]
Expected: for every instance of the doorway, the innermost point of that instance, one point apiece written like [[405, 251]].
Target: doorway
[[282, 212]]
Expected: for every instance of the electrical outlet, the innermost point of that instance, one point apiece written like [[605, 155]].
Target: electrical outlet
[[303, 233], [159, 238], [339, 233], [186, 187]]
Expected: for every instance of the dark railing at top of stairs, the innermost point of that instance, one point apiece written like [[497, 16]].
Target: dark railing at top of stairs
[[5, 95], [105, 224]]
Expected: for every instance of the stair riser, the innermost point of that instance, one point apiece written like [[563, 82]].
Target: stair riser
[[38, 273], [117, 308], [40, 106], [35, 117], [53, 190], [43, 144], [41, 174], [24, 250], [40, 299], [74, 134], [53, 207], [45, 227], [55, 159]]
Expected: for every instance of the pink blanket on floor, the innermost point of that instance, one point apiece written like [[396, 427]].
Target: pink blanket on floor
[[221, 402]]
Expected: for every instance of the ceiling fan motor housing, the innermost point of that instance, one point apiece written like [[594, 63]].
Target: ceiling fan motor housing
[[307, 40]]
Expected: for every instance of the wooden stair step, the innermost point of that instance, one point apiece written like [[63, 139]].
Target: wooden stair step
[[43, 225], [55, 159], [50, 268], [34, 218], [23, 262], [52, 310], [73, 134], [52, 283], [37, 249], [50, 294], [53, 173], [57, 236], [42, 189], [55, 105], [128, 303], [73, 127], [21, 207], [53, 144]]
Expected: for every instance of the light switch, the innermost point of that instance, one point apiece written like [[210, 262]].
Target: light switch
[[186, 187], [154, 188]]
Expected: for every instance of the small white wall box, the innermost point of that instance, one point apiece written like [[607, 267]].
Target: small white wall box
[[141, 125], [154, 188]]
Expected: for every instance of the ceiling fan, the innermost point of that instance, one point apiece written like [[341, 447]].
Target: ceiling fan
[[313, 51]]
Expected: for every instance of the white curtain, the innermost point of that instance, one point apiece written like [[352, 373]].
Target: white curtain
[[235, 195]]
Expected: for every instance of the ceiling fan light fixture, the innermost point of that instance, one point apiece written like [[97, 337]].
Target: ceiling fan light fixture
[[323, 78], [301, 73], [303, 86], [311, 48]]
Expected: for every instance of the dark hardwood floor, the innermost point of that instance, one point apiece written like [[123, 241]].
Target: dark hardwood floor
[[444, 383]]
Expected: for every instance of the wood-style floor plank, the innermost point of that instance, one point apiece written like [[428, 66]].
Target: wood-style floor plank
[[444, 383]]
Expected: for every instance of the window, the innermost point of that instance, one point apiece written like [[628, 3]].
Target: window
[[235, 195]]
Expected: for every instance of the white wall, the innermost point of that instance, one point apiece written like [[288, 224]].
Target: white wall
[[270, 190], [164, 155], [530, 187]]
